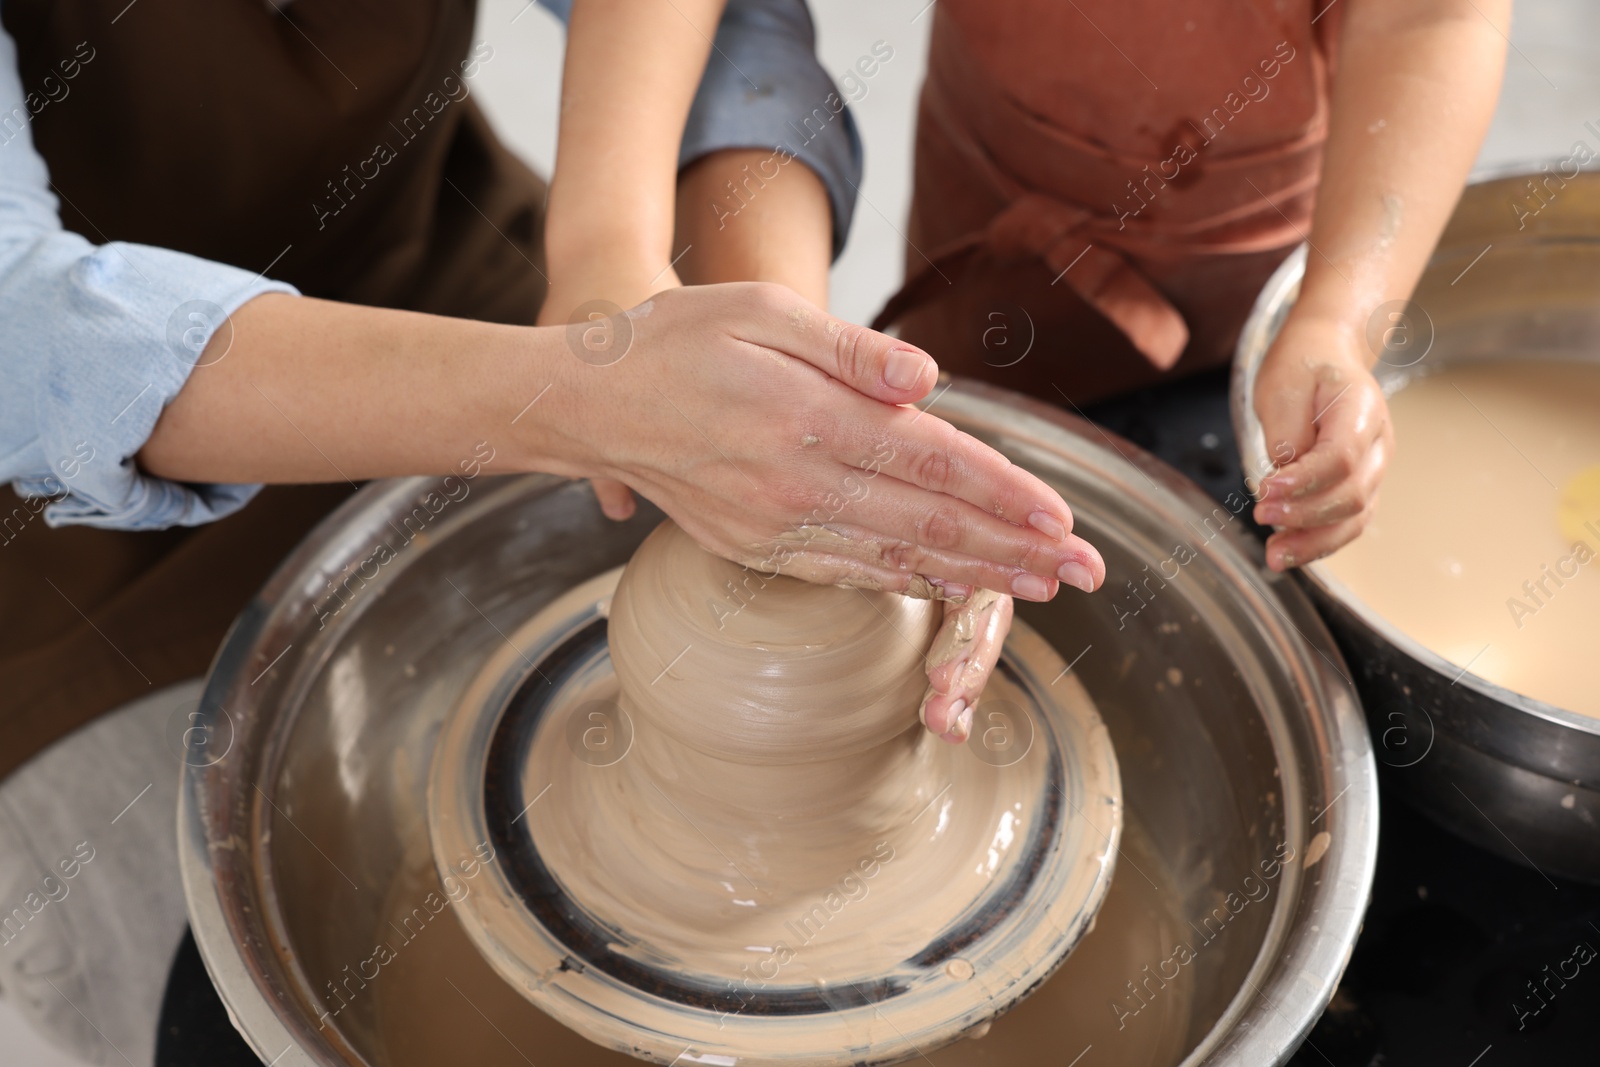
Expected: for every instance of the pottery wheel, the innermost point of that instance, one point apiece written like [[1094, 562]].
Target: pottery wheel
[[694, 862]]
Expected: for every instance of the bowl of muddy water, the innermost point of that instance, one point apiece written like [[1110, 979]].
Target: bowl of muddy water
[[1249, 786], [1470, 608]]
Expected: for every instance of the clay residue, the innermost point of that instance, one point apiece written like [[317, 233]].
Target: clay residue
[[808, 533], [1389, 224], [974, 619]]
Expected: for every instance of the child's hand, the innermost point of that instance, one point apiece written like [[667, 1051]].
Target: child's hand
[[1327, 425], [962, 659]]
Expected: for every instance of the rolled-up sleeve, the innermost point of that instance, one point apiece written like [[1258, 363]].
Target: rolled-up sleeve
[[95, 341], [764, 88]]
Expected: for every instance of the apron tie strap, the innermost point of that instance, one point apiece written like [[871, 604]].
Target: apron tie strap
[[1064, 237]]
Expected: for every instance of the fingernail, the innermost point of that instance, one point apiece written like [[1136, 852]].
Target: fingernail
[[904, 368], [1047, 524], [960, 723], [1268, 514], [1030, 587], [1076, 575]]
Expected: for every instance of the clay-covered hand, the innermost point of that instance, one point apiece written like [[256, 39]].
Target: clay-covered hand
[[773, 433], [1327, 430], [963, 655]]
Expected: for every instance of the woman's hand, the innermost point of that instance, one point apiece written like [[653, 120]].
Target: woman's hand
[[771, 432], [1327, 426]]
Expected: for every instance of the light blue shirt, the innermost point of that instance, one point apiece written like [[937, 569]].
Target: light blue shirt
[[96, 340]]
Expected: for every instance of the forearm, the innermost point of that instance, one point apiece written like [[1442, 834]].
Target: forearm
[[1414, 93], [729, 406], [630, 77], [753, 214], [305, 390]]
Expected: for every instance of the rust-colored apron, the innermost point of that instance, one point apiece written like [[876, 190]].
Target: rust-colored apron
[[235, 131], [1102, 187]]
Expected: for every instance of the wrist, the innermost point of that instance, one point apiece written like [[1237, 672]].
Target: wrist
[[1324, 320], [624, 280], [537, 399], [1325, 298], [1355, 318], [1313, 349]]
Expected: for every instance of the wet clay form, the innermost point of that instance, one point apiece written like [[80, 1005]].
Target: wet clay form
[[721, 835]]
